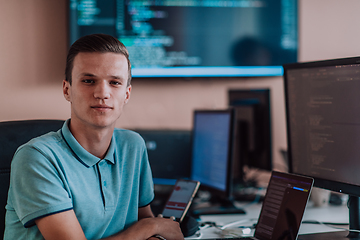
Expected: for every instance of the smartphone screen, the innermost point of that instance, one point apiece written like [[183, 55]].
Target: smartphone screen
[[180, 199]]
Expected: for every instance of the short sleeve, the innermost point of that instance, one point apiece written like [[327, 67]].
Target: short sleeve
[[37, 186]]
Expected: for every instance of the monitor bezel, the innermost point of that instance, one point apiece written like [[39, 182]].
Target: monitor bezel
[[227, 194], [332, 185]]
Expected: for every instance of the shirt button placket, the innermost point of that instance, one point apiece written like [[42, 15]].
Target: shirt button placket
[[102, 178]]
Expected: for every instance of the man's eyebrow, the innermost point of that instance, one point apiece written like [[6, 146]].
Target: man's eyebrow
[[93, 75], [87, 75], [117, 77]]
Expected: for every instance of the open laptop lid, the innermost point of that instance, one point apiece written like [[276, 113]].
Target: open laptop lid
[[283, 207]]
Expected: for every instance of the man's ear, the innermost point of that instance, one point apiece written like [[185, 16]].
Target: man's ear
[[66, 90], [127, 94]]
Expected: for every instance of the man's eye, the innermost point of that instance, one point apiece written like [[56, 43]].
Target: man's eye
[[115, 83], [88, 81]]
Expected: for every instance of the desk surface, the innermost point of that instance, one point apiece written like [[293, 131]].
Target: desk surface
[[335, 214]]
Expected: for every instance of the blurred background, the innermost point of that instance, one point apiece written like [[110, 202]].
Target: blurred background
[[34, 42]]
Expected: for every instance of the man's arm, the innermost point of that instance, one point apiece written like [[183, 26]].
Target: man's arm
[[65, 225], [145, 212]]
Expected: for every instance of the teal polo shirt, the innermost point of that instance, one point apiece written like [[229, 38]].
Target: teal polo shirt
[[54, 173]]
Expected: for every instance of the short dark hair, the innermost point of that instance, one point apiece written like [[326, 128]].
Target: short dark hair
[[102, 43]]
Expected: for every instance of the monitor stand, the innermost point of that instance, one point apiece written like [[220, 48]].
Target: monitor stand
[[218, 206], [354, 217]]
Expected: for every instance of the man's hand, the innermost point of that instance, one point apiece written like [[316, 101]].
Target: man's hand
[[167, 228]]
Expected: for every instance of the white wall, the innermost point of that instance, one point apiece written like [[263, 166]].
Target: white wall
[[328, 29]]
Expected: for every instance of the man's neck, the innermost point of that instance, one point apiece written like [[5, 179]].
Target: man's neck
[[94, 140]]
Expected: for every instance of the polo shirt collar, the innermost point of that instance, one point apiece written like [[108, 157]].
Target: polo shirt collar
[[80, 153]]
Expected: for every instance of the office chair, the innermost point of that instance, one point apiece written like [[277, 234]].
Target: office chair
[[12, 135]]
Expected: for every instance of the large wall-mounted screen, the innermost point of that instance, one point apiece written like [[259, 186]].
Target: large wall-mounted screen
[[195, 38]]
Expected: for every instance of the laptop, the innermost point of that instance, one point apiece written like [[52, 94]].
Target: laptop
[[283, 207]]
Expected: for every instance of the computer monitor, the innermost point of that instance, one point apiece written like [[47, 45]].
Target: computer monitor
[[323, 125], [194, 38], [169, 153], [253, 145], [212, 148]]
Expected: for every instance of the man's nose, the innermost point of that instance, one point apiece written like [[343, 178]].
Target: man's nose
[[102, 90]]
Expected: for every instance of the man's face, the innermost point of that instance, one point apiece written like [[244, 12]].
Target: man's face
[[99, 89]]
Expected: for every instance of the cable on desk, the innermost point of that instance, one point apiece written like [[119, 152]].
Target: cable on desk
[[213, 224], [324, 223], [226, 231], [330, 224], [238, 222]]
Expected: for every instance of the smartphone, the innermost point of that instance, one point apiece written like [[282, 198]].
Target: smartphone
[[180, 199]]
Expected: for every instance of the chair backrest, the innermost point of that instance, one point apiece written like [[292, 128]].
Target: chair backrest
[[12, 135]]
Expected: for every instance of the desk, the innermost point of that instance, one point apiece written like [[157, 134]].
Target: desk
[[338, 214]]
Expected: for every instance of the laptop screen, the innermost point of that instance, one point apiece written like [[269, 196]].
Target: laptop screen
[[283, 206]]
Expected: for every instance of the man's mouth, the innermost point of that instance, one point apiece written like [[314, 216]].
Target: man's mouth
[[101, 107]]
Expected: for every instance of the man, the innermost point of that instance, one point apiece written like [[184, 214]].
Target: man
[[89, 180]]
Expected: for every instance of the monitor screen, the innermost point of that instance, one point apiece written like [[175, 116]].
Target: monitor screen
[[194, 38], [212, 150], [323, 123], [253, 145], [169, 153]]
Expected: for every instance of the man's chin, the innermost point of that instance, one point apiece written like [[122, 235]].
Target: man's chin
[[104, 123], [96, 122]]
